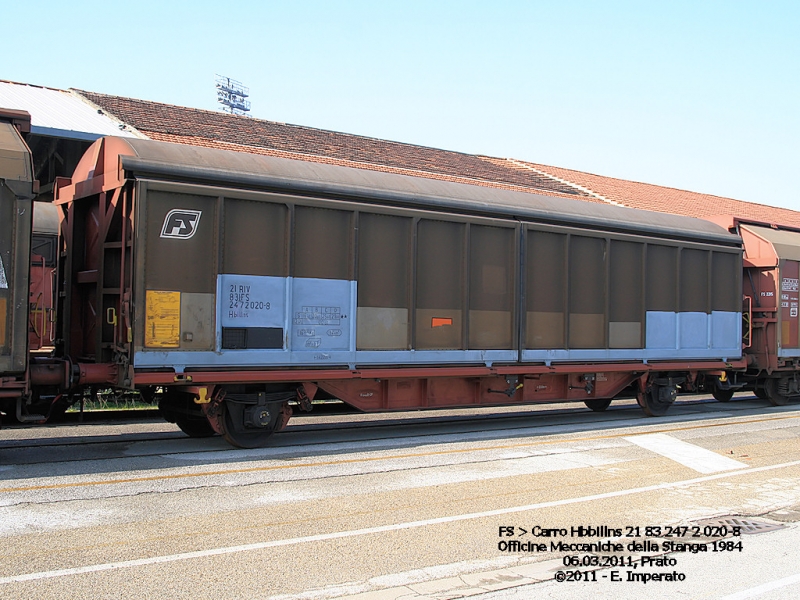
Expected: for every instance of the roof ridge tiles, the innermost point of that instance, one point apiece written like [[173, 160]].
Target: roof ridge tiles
[[525, 165], [636, 182], [739, 207]]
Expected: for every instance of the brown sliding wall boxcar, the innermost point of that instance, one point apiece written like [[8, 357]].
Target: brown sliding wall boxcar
[[239, 282]]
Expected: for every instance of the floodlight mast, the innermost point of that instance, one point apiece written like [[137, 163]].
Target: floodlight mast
[[231, 94]]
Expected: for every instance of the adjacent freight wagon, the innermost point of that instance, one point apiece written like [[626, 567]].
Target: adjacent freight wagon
[[28, 262], [771, 286], [17, 190], [234, 283]]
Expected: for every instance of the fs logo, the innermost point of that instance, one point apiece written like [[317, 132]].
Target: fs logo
[[180, 223]]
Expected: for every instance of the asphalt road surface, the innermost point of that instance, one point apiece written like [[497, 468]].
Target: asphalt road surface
[[551, 502]]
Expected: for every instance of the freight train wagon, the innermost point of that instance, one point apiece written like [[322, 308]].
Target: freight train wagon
[[28, 264], [234, 283], [17, 190], [771, 289]]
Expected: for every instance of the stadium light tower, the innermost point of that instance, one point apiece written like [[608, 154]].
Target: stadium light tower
[[231, 94]]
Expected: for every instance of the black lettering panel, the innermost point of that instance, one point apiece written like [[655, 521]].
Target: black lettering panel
[[249, 338]]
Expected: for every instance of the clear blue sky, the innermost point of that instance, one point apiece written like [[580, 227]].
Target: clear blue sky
[[697, 95]]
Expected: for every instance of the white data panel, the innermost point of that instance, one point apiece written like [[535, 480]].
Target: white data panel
[[693, 328], [726, 329], [251, 301], [661, 330], [321, 314]]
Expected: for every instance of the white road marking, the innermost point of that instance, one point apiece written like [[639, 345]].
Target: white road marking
[[764, 588], [689, 455], [380, 529], [51, 517]]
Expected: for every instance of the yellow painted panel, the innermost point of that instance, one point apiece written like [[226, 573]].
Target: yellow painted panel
[[786, 333], [162, 319], [3, 319]]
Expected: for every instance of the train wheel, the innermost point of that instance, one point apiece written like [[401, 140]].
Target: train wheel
[[760, 392], [721, 395], [773, 392], [250, 425], [195, 427], [657, 399], [598, 404]]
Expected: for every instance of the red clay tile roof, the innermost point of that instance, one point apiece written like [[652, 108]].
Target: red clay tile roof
[[184, 125], [167, 122], [670, 200]]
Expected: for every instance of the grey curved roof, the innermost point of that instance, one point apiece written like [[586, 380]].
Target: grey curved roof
[[180, 162], [61, 113]]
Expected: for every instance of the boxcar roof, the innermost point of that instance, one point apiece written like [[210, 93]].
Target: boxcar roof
[[179, 162]]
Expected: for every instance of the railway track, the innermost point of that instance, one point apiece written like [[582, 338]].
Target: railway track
[[151, 437]]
